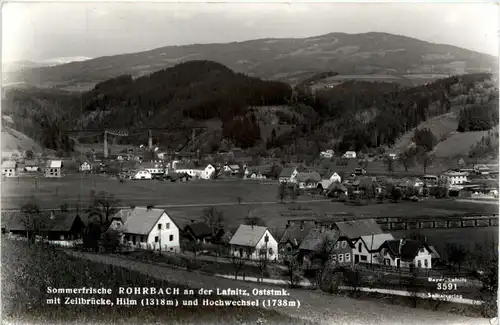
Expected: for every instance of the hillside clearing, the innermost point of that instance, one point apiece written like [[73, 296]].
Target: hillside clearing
[[459, 143]]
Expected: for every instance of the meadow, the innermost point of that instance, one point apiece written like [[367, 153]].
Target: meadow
[[27, 271]]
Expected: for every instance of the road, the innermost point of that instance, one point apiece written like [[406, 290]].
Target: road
[[146, 201], [314, 306]]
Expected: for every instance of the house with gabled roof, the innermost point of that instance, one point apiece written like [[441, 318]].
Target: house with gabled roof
[[308, 180], [258, 172], [254, 242], [31, 165], [288, 175], [406, 253], [9, 168], [147, 227], [366, 248], [54, 168], [294, 234]]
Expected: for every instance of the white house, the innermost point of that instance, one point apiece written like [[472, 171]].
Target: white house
[[254, 242], [85, 166], [288, 175], [154, 167], [455, 178], [31, 165], [406, 253], [54, 168], [187, 168], [143, 174], [147, 227], [349, 155], [207, 172], [325, 183], [366, 248], [328, 154], [9, 168]]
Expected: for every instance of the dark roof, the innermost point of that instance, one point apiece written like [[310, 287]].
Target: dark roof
[[189, 165], [356, 228], [316, 240], [287, 172], [337, 186], [31, 162], [296, 233], [199, 229], [409, 249], [52, 221], [313, 176]]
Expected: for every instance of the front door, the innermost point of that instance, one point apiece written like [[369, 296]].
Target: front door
[[356, 259]]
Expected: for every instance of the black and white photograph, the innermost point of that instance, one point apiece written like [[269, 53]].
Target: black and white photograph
[[249, 163]]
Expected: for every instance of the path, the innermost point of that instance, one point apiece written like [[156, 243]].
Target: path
[[315, 306]]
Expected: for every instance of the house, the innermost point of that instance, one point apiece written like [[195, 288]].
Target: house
[[232, 169], [335, 189], [430, 179], [455, 178], [294, 234], [153, 167], [207, 172], [254, 242], [288, 175], [392, 156], [355, 229], [201, 231], [258, 172], [31, 165], [328, 154], [366, 248], [147, 227], [323, 244], [331, 178], [9, 168], [85, 167], [308, 180], [52, 225], [406, 253], [188, 168], [349, 155], [142, 174], [53, 168]]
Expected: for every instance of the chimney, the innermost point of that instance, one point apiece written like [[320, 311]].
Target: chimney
[[401, 243], [150, 207]]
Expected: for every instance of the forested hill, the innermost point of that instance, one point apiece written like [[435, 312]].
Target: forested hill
[[268, 116]]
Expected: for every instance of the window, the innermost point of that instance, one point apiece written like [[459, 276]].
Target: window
[[334, 257], [337, 244], [168, 225], [426, 263], [360, 247], [127, 238], [171, 237], [159, 226], [347, 257], [364, 258], [344, 244], [419, 263], [143, 239], [341, 258], [156, 239], [266, 239], [289, 249]]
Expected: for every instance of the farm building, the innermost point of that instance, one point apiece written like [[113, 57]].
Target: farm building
[[153, 167], [254, 242], [294, 234], [85, 166], [321, 244], [201, 231], [258, 172], [288, 175], [232, 169], [54, 168], [455, 178], [9, 168], [147, 227]]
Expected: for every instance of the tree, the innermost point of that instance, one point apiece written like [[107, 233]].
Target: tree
[[104, 206], [282, 192], [407, 159], [32, 219], [110, 240], [456, 255], [214, 219], [293, 272], [238, 264], [425, 159], [294, 193], [29, 154]]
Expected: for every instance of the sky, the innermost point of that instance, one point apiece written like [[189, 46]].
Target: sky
[[47, 31]]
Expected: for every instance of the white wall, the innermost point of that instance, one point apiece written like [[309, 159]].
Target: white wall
[[271, 244], [423, 256], [363, 252], [336, 178], [164, 235]]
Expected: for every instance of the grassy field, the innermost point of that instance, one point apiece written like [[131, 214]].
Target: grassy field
[[27, 271]]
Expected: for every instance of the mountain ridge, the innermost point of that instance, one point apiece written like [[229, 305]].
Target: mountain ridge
[[278, 59]]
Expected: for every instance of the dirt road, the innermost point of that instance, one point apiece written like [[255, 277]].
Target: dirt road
[[315, 306]]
